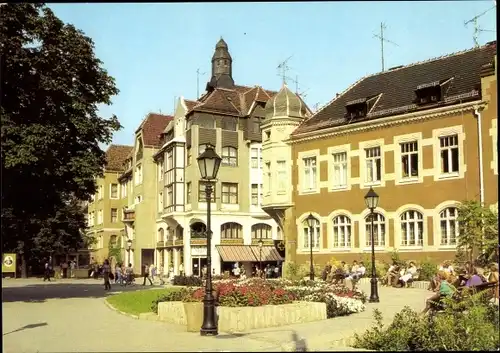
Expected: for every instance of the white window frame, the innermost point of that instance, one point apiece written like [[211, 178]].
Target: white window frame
[[111, 215], [170, 195], [332, 151], [415, 221], [462, 167], [229, 156], [363, 146], [306, 235], [138, 199], [138, 174], [371, 157], [189, 192], [100, 217], [451, 142], [100, 193], [380, 227], [117, 191], [123, 190], [342, 225], [189, 155], [228, 191], [256, 195], [340, 166], [170, 159], [494, 137], [281, 176], [398, 158], [269, 176], [161, 170], [448, 219], [254, 158], [258, 231], [310, 168]]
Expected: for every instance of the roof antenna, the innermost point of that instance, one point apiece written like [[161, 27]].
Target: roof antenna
[[477, 28], [302, 94], [382, 40], [283, 68], [198, 74]]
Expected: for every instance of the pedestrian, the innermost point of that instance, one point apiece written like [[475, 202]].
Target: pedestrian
[[46, 272], [152, 272], [106, 269], [277, 272], [130, 274], [64, 269], [72, 266], [118, 274], [146, 275]]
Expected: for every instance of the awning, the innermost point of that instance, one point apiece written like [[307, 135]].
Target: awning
[[266, 253], [236, 253]]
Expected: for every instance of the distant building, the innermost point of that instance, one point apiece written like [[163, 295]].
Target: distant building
[[424, 136]]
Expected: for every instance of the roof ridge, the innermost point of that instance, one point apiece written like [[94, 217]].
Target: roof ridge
[[119, 145], [231, 102], [441, 57]]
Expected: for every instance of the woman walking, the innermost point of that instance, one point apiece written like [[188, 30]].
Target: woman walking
[[106, 269]]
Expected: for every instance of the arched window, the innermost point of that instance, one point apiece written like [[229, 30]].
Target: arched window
[[160, 234], [341, 232], [231, 230], [316, 232], [229, 156], [113, 240], [262, 231], [198, 230], [449, 226], [412, 228], [378, 229]]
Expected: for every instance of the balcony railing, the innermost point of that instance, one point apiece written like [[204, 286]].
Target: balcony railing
[[128, 215]]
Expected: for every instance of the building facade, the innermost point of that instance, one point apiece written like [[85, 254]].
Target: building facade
[[105, 210], [424, 136], [228, 117]]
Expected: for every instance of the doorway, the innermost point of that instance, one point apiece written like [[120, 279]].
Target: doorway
[[197, 264], [147, 257]]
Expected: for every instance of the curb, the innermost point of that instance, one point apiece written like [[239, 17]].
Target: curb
[[118, 311]]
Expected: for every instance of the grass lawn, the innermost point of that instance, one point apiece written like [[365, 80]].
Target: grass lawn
[[137, 302]]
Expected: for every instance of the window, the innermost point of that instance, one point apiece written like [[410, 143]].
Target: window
[[412, 228], [160, 202], [188, 193], [99, 192], [449, 226], [449, 154], [269, 177], [189, 156], [114, 215], [255, 194], [229, 156], [170, 160], [138, 174], [229, 123], [231, 231], [409, 159], [254, 155], [138, 199], [114, 191], [378, 229], [373, 165], [267, 135], [170, 195], [113, 241], [230, 193], [99, 217], [316, 231], [123, 188], [282, 177], [260, 193], [202, 194], [310, 173], [262, 231], [160, 235], [160, 170], [339, 169], [256, 125], [341, 232]]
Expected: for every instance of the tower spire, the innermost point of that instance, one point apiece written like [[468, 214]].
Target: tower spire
[[222, 66]]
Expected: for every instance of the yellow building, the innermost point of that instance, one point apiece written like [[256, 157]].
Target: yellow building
[[105, 210], [424, 136]]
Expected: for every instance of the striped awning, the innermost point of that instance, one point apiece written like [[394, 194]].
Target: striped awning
[[236, 253], [248, 253]]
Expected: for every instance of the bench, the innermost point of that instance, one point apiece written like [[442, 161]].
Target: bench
[[458, 296]]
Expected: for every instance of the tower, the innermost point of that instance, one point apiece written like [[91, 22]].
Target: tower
[[222, 67]]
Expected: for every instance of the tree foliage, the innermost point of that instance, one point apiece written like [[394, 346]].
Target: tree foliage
[[52, 86]]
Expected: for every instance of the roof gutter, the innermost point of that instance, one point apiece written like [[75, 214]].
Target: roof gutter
[[477, 113], [387, 121]]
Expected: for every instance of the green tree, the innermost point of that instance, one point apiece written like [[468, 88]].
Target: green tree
[[52, 86], [478, 232], [115, 250]]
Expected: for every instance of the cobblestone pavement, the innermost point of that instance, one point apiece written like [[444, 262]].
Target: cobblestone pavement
[[70, 316]]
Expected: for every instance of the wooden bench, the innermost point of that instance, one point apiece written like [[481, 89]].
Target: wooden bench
[[458, 296]]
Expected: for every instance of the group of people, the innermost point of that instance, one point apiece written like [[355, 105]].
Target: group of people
[[400, 275], [447, 282], [339, 274], [270, 271], [67, 269]]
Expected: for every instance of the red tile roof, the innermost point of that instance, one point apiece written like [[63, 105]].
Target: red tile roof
[[152, 127], [396, 87], [116, 156]]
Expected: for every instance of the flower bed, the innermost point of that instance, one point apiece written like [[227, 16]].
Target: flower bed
[[255, 292]]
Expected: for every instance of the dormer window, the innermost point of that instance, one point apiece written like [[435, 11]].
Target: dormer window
[[432, 92], [356, 109]]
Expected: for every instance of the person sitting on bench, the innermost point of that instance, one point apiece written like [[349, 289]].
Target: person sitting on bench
[[445, 290], [410, 273]]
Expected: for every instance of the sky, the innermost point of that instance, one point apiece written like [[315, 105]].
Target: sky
[[153, 50]]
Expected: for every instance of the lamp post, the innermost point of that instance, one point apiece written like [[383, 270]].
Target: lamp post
[[311, 222], [371, 201], [261, 243], [209, 163], [129, 245]]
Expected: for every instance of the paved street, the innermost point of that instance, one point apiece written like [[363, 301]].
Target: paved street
[[70, 316]]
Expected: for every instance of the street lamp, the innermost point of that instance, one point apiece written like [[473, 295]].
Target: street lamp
[[260, 243], [311, 222], [371, 201], [209, 163], [129, 245]]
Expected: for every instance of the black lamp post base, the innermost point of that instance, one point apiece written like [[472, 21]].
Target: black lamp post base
[[373, 291], [209, 326]]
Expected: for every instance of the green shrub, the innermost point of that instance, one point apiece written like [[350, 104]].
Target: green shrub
[[380, 266], [427, 271], [190, 281], [174, 296], [470, 325], [395, 258]]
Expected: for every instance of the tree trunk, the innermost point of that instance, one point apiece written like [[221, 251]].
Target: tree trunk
[[24, 267]]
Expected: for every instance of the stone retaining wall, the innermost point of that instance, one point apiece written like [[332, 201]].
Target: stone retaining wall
[[242, 319]]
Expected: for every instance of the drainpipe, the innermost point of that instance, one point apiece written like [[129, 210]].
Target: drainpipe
[[477, 113]]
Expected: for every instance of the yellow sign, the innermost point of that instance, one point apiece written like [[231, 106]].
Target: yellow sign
[[281, 246], [9, 263]]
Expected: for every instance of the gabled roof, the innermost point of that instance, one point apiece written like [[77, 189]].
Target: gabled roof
[[395, 88], [116, 156], [152, 127]]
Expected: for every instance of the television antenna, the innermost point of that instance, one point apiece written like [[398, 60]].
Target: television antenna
[[295, 80], [283, 68], [477, 28], [198, 74], [383, 40]]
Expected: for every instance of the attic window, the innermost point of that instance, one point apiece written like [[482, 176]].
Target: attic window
[[359, 108], [433, 92]]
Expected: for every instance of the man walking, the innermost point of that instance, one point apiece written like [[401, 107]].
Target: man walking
[[146, 275], [46, 272]]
